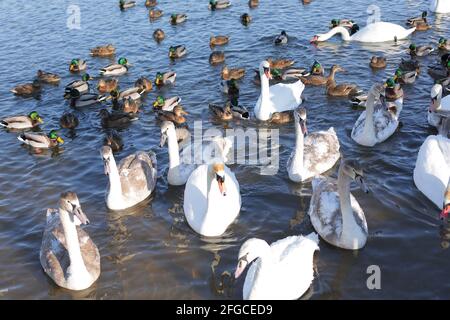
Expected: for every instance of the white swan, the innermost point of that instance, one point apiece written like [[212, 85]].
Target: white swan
[[375, 126], [313, 155], [212, 199], [130, 183], [432, 170], [373, 32], [335, 213], [277, 98], [282, 271], [439, 107], [67, 254], [184, 159], [440, 6]]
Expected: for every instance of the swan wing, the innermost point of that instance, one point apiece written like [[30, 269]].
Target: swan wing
[[138, 175], [321, 151], [381, 31], [431, 172], [286, 96]]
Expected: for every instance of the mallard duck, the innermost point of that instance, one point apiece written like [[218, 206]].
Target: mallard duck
[[216, 57], [378, 62], [133, 93], [155, 14], [317, 69], [294, 73], [150, 3], [163, 79], [318, 80], [420, 51], [443, 44], [176, 115], [346, 23], [178, 18], [78, 100], [116, 69], [282, 117], [218, 41], [77, 65], [409, 65], [116, 119], [114, 141], [68, 121], [27, 89], [22, 122], [176, 52], [103, 51], [405, 77], [422, 26], [82, 86], [238, 110], [41, 141], [280, 64], [340, 90], [253, 3], [164, 104], [221, 112], [421, 19], [159, 35], [144, 84], [235, 74], [393, 91], [123, 5], [282, 38], [230, 87], [47, 77], [107, 85], [246, 19], [438, 72], [130, 105], [218, 4]]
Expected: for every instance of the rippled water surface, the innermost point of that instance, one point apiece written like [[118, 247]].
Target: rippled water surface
[[151, 252]]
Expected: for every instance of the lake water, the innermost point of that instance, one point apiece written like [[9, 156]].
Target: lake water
[[151, 253]]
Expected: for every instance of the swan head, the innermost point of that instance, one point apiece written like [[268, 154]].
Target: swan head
[[107, 155], [446, 206], [165, 127], [250, 250], [69, 202], [218, 170], [436, 94], [300, 118], [264, 69], [354, 170]]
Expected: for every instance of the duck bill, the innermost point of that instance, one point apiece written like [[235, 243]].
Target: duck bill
[[80, 215], [184, 112], [40, 120], [60, 140], [361, 183], [242, 264]]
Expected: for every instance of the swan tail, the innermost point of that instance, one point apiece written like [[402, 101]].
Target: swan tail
[[313, 240], [409, 31]]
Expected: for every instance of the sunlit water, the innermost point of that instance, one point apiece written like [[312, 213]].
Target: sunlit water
[[151, 252]]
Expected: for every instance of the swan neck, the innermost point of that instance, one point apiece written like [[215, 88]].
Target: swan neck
[[337, 30], [264, 85], [344, 200], [115, 187], [172, 143], [299, 146], [369, 129], [72, 242]]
